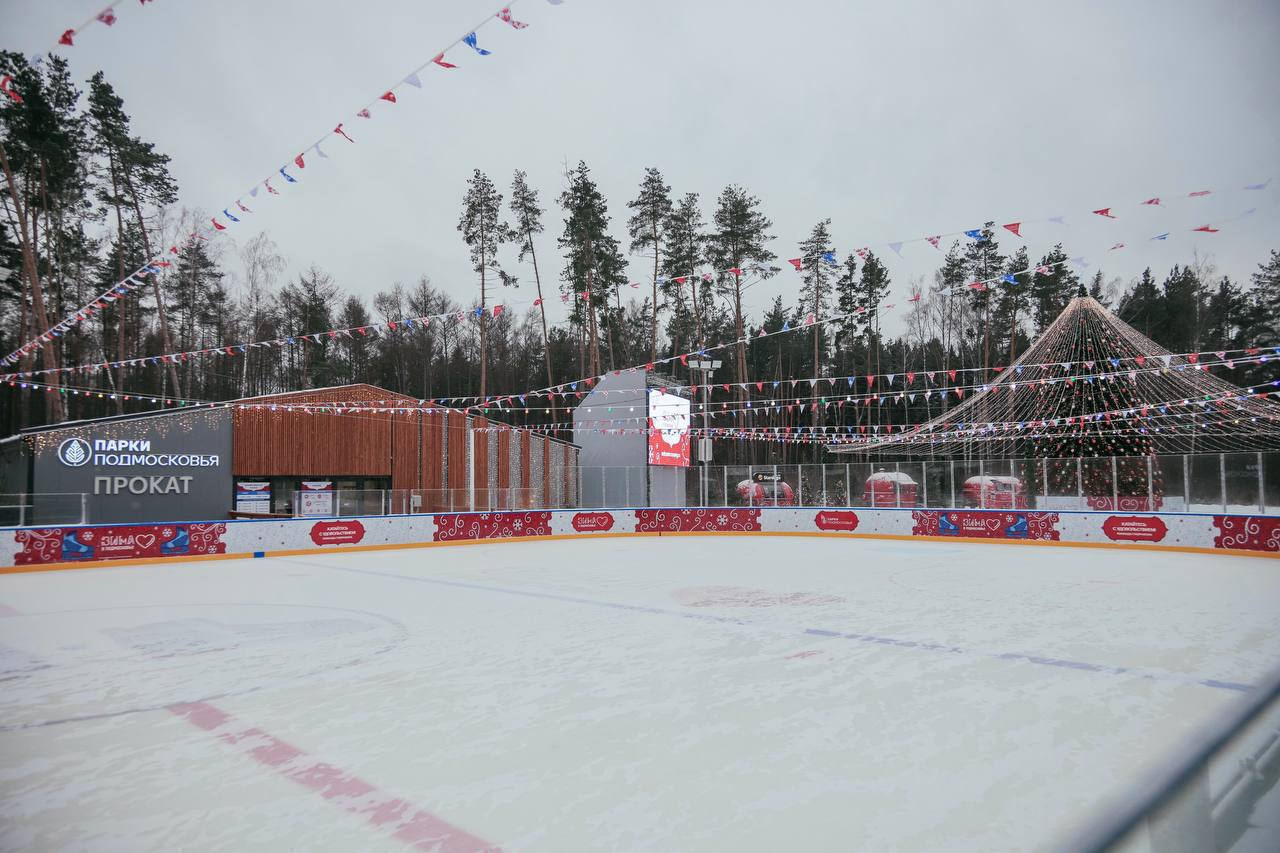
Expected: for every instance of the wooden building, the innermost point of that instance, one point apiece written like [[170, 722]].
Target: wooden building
[[431, 461]]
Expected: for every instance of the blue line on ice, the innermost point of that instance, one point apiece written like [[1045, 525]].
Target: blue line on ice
[[1157, 675]]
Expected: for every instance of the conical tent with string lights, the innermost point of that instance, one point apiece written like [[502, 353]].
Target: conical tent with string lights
[[1093, 387]]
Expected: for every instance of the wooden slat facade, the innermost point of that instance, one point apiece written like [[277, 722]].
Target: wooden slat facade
[[406, 448]]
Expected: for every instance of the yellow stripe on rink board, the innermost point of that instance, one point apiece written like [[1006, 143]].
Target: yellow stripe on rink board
[[897, 537]]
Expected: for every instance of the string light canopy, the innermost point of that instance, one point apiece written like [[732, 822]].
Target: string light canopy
[[1131, 411]]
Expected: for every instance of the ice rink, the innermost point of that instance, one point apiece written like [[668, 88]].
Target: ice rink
[[672, 694]]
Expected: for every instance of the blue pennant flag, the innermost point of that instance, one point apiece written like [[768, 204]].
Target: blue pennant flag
[[976, 234], [1008, 278], [228, 215], [1164, 236], [470, 41], [830, 257], [290, 178], [786, 326], [479, 312]]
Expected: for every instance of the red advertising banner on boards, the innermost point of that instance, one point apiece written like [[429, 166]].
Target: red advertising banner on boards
[[83, 544], [1134, 528]]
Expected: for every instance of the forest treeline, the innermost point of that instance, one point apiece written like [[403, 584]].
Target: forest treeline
[[86, 201]]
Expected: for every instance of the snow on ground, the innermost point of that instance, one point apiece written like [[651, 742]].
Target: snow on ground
[[675, 693]]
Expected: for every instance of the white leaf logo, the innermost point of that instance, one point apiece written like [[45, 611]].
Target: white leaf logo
[[74, 452]]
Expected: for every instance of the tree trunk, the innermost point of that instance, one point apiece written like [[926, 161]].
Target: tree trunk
[[165, 340], [56, 409]]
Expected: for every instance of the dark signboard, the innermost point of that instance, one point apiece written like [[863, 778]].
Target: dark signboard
[[169, 467]]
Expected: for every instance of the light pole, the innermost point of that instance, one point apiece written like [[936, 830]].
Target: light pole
[[704, 444]]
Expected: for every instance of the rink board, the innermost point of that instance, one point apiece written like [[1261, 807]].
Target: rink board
[[700, 693], [44, 546]]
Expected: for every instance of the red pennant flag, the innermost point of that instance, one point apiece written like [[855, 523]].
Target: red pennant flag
[[1141, 360], [684, 359], [1104, 211], [1198, 193], [389, 96], [1014, 226], [107, 17], [1193, 357], [796, 262], [364, 114], [497, 309], [270, 189], [1208, 229], [735, 270], [9, 90], [759, 386], [911, 377], [1152, 201], [299, 161], [66, 38], [218, 225], [537, 302], [681, 280], [1116, 246], [173, 250], [952, 374], [439, 60], [871, 380], [338, 130], [933, 241]]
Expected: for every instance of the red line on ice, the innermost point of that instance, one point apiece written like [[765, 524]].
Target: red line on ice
[[416, 827]]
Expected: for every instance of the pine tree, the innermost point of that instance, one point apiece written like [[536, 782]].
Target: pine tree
[[849, 327], [40, 159], [594, 266], [686, 252], [484, 230], [1053, 289], [816, 254], [528, 222], [135, 174], [1012, 297], [984, 263], [1266, 284], [1182, 299], [647, 228], [739, 241]]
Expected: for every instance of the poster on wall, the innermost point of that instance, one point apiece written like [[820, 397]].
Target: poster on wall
[[668, 429], [316, 498], [253, 496]]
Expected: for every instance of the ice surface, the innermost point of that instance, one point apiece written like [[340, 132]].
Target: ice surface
[[675, 693]]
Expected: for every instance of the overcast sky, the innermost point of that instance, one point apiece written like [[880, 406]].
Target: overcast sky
[[896, 119]]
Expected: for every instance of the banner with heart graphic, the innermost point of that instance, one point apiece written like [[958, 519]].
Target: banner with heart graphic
[[72, 544]]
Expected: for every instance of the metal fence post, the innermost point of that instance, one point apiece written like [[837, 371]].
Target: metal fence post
[[848, 486], [953, 483], [1186, 483], [982, 484], [1151, 488], [724, 471], [1044, 480], [22, 509], [1079, 483], [799, 487], [1262, 495], [924, 483], [897, 484], [1222, 479], [1115, 485]]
